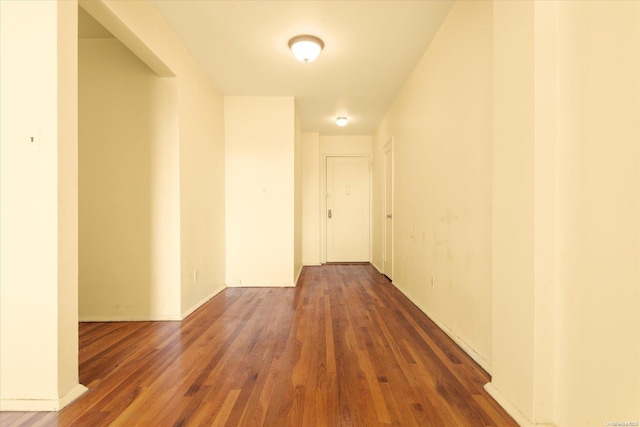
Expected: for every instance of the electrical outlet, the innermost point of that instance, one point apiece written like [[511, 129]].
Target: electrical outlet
[[195, 276], [433, 283]]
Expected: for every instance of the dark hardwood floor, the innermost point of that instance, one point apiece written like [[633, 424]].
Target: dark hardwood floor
[[344, 348]]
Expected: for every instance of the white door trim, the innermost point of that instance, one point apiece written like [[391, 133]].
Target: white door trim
[[323, 202], [388, 147]]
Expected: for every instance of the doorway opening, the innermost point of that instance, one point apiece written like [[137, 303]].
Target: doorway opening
[[128, 176]]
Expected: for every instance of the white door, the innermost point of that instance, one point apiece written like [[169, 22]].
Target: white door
[[388, 211], [347, 209]]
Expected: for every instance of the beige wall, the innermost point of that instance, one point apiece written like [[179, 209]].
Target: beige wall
[[516, 151], [298, 187], [201, 143], [38, 216], [202, 187], [311, 198], [67, 303], [513, 203], [441, 126], [598, 326], [345, 145], [260, 187], [38, 364], [129, 199], [566, 209]]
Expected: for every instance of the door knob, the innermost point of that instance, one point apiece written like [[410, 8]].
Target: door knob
[[389, 216]]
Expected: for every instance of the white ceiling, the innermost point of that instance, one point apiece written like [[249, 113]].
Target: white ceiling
[[371, 47]]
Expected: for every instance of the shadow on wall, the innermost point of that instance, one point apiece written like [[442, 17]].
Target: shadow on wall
[[129, 233]]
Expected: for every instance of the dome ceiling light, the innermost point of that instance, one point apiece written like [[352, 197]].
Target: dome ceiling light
[[306, 48], [341, 121]]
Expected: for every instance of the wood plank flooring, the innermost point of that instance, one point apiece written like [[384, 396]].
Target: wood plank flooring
[[343, 348]]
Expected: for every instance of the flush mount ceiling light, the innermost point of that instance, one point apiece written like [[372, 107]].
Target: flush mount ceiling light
[[306, 48], [341, 121]]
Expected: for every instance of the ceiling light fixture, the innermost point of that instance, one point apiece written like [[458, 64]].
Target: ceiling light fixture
[[306, 48], [341, 121]]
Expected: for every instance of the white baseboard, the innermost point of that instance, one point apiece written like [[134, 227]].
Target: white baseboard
[[262, 285], [201, 303], [510, 408], [131, 318], [42, 405], [484, 363], [507, 406]]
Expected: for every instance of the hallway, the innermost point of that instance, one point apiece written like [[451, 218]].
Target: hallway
[[342, 348]]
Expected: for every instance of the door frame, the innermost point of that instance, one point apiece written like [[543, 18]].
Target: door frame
[[323, 202], [387, 147]]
